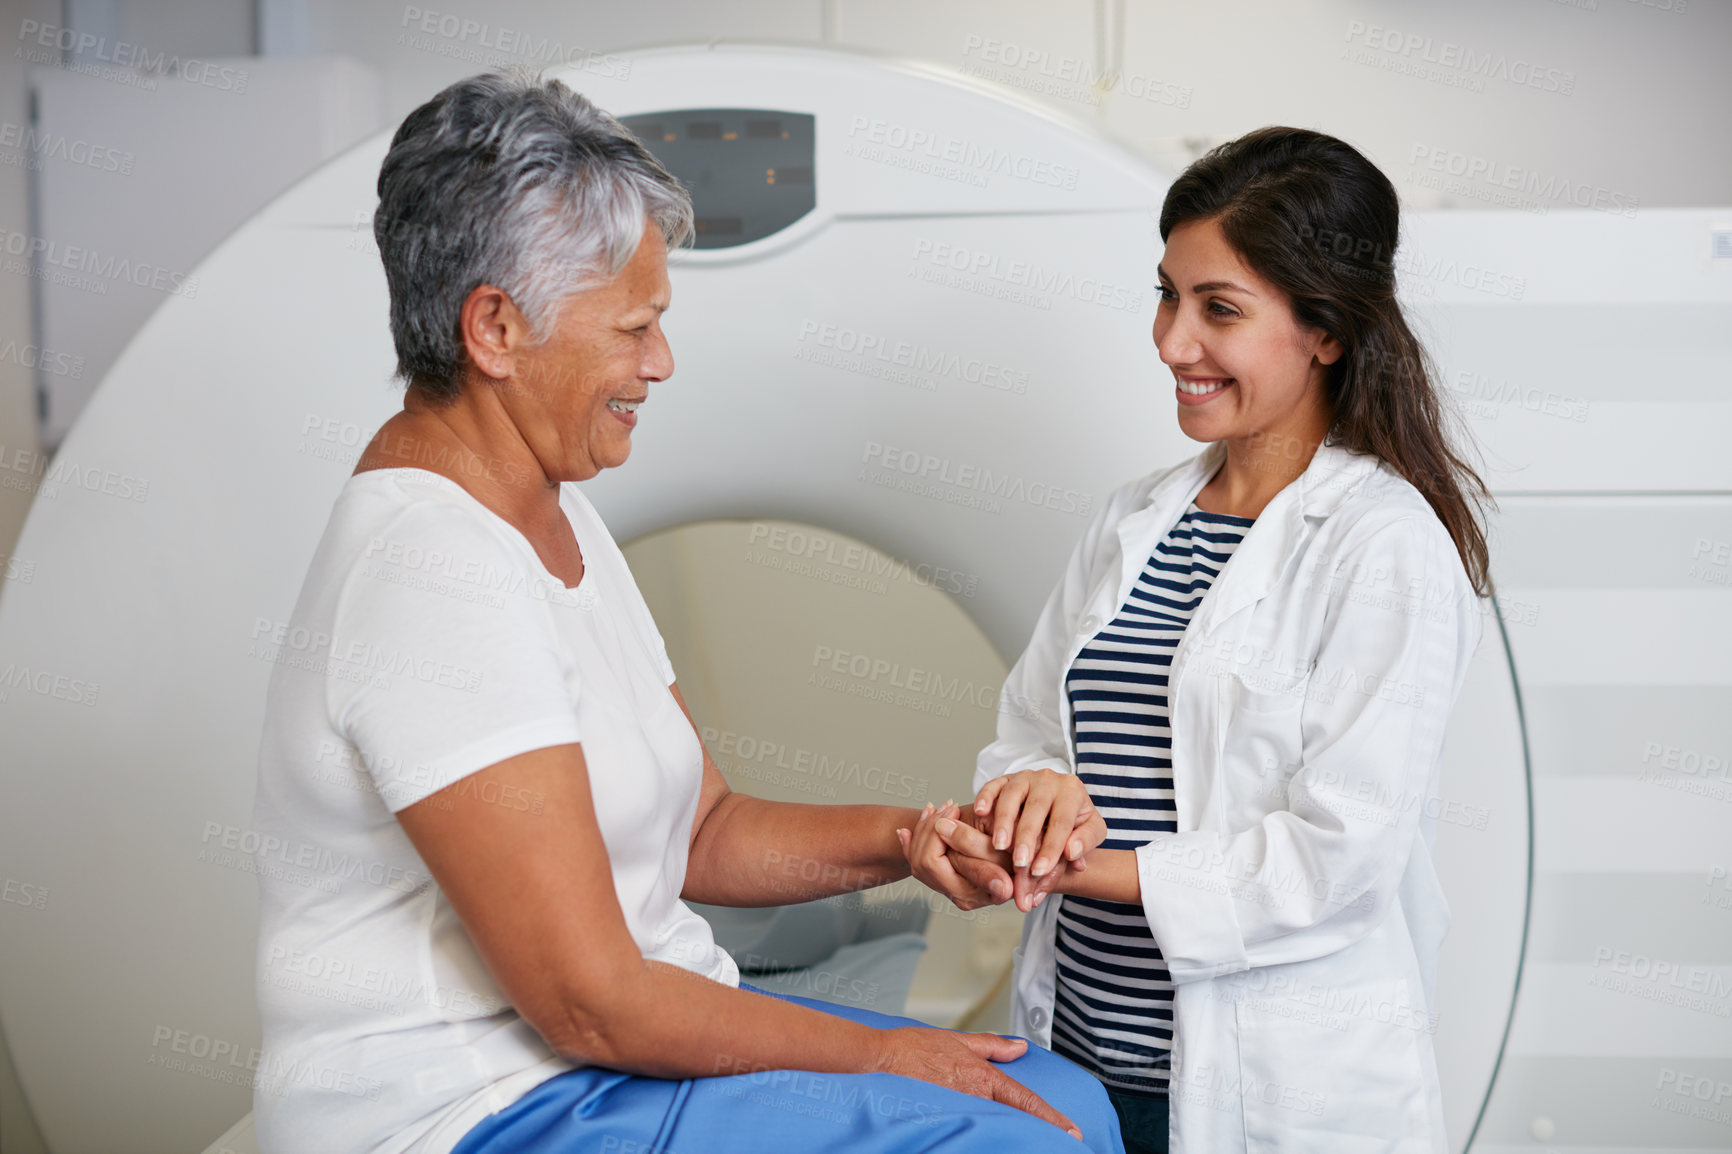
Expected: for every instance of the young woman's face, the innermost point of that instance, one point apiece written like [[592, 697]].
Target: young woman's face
[[1242, 366]]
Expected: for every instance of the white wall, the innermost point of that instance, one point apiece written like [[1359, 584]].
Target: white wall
[[184, 164], [1643, 117], [18, 1133]]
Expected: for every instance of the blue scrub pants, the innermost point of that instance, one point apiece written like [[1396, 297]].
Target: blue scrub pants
[[798, 1112]]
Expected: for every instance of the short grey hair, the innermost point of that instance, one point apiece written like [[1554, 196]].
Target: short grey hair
[[515, 181]]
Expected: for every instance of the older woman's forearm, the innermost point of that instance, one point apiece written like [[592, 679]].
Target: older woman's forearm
[[665, 1022], [752, 852]]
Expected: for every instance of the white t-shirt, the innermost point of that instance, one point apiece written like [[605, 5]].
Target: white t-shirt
[[429, 642]]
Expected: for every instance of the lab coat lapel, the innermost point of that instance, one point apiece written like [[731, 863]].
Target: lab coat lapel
[[1140, 531], [1251, 571], [1273, 541]]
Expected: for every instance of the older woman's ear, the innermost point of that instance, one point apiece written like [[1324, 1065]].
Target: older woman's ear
[[493, 329]]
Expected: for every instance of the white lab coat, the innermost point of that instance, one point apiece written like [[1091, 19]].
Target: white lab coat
[[1297, 906]]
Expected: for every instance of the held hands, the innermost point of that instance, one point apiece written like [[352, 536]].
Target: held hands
[[968, 882], [1023, 835]]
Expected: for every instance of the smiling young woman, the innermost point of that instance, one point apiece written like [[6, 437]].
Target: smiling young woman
[[1246, 373], [1308, 229], [1246, 671]]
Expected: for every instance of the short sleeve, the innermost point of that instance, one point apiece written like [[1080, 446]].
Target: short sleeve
[[439, 663]]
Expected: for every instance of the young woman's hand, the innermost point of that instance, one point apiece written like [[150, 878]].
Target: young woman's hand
[[1042, 818]]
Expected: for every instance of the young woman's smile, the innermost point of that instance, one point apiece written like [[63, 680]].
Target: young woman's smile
[[1201, 390]]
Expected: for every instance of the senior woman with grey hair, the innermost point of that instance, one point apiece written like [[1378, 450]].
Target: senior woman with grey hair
[[488, 770]]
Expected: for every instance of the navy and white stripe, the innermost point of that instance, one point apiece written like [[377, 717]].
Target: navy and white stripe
[[1114, 1014]]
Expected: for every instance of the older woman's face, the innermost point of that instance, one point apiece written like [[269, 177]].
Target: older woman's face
[[575, 396], [1241, 364]]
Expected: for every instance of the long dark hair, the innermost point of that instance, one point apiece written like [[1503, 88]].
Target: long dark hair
[[1315, 218]]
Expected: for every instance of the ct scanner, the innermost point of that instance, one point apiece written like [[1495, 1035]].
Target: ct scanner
[[943, 283]]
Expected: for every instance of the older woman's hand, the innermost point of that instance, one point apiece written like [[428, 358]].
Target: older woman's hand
[[968, 853], [966, 1062], [967, 870], [976, 884]]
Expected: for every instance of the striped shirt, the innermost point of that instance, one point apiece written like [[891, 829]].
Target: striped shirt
[[1114, 1013]]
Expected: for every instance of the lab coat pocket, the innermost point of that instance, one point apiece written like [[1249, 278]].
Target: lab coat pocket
[[1319, 1072], [1260, 747]]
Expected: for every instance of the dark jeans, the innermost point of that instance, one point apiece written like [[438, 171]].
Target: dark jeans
[[1143, 1122]]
